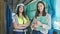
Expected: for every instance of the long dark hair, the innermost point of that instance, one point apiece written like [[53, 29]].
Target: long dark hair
[[37, 12], [22, 12]]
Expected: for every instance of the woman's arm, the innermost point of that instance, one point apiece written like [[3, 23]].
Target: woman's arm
[[22, 26], [33, 26], [27, 24], [48, 23], [18, 26]]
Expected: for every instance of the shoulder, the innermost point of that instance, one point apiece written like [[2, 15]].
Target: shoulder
[[27, 17], [48, 15], [14, 16]]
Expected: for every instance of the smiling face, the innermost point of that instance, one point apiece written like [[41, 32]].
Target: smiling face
[[40, 7], [21, 9]]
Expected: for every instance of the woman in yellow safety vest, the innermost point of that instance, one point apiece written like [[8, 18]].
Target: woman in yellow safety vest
[[20, 21]]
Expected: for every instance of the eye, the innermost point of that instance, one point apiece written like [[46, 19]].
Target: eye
[[40, 5]]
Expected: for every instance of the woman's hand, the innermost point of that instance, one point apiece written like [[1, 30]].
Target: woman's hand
[[39, 23], [34, 26], [18, 26], [25, 25]]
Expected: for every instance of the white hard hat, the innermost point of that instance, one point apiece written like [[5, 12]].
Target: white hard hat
[[21, 4]]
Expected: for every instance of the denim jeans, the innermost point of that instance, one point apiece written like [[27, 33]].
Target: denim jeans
[[15, 32], [36, 32]]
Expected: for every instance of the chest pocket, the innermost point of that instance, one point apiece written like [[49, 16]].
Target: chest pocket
[[22, 20]]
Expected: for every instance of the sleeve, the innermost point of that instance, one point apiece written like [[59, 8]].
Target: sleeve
[[14, 19], [34, 21], [47, 26]]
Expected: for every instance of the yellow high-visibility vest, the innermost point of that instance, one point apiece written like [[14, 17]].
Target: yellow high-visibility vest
[[22, 20]]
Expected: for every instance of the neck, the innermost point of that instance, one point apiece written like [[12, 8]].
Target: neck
[[40, 13], [20, 14]]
